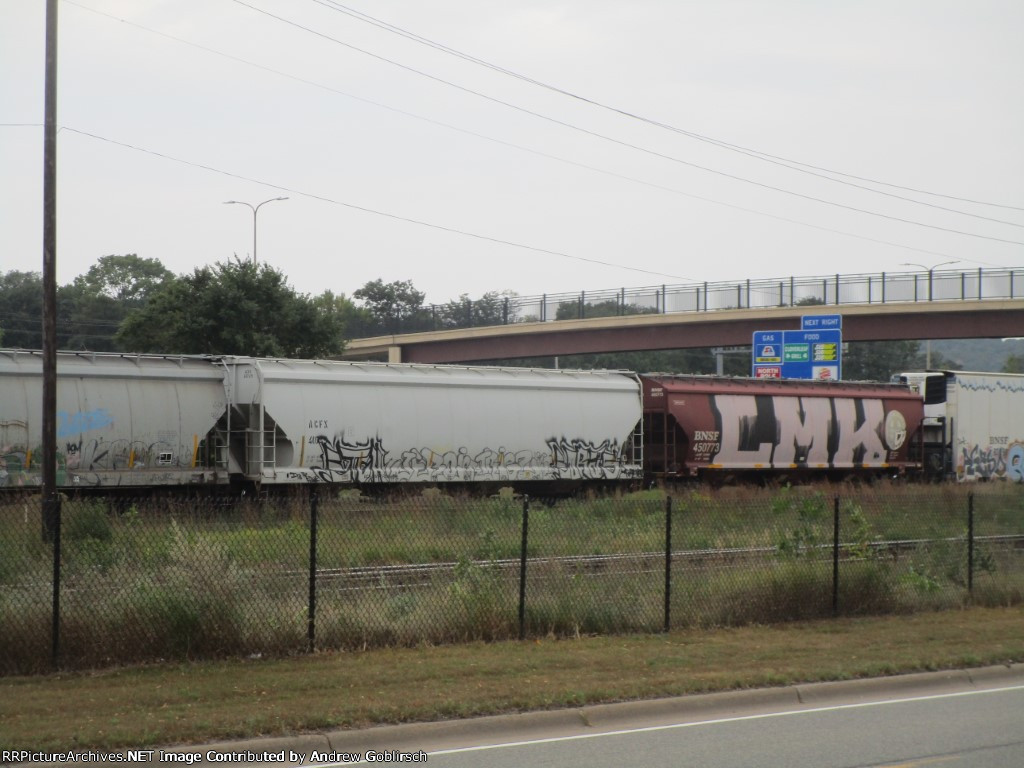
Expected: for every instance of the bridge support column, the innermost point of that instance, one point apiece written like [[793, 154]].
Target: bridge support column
[[395, 354]]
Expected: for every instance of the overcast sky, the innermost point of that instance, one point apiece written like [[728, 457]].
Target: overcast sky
[[168, 108]]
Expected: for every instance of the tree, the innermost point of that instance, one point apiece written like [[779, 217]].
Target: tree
[[21, 309], [129, 278], [1014, 364], [350, 318], [879, 360], [103, 297], [809, 301], [233, 308], [395, 307], [89, 310], [490, 309], [570, 310]]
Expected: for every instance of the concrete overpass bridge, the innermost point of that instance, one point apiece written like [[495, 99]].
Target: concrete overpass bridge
[[901, 306]]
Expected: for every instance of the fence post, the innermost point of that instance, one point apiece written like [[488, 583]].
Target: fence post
[[970, 543], [835, 557], [668, 562], [522, 569], [314, 505], [52, 513]]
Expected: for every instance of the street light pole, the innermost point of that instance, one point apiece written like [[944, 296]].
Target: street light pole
[[254, 209], [930, 270], [928, 342]]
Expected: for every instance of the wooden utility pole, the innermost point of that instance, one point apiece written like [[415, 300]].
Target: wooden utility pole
[[51, 501]]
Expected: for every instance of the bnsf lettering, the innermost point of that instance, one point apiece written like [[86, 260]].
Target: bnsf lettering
[[701, 435]]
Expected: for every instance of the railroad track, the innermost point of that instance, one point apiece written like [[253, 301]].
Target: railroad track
[[413, 575], [422, 574]]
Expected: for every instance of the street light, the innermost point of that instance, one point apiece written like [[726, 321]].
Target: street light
[[929, 270], [254, 210], [928, 342]]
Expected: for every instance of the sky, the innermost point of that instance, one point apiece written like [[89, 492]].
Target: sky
[[529, 146]]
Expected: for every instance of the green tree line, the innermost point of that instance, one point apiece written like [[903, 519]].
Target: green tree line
[[133, 304]]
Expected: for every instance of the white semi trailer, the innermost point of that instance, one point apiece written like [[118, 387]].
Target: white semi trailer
[[974, 424]]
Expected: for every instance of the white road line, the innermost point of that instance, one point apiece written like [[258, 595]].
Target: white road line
[[718, 721]]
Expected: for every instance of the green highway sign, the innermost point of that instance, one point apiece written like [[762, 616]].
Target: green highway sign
[[797, 353]]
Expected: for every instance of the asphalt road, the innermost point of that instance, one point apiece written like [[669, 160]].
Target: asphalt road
[[980, 729], [952, 719]]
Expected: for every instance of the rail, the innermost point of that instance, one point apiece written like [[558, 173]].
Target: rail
[[374, 577]]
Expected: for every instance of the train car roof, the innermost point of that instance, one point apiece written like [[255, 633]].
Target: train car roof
[[791, 387]]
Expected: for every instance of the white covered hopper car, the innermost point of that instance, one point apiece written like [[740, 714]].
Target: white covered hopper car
[[134, 421]]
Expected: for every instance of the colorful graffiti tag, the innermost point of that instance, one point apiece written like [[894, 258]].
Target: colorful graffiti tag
[[977, 462]]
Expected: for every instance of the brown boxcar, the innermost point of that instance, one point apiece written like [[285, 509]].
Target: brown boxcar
[[705, 425]]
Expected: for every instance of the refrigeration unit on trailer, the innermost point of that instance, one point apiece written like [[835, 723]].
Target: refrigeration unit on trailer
[[974, 423]]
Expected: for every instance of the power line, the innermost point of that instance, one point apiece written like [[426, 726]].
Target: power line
[[373, 211], [519, 147], [443, 228], [776, 159], [618, 141]]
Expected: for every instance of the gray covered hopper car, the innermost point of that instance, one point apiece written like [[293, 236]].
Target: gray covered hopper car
[[143, 420], [137, 421]]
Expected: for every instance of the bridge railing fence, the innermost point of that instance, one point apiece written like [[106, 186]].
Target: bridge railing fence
[[828, 290]]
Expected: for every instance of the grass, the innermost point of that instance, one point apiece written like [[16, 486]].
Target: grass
[[187, 580], [201, 702]]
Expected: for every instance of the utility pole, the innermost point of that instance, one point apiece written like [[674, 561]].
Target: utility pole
[[51, 501]]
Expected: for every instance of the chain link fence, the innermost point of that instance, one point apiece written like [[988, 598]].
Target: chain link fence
[[149, 580]]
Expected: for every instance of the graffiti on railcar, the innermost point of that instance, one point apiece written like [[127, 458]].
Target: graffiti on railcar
[[1000, 459], [593, 460], [82, 421], [347, 460], [100, 455], [87, 462], [367, 460], [776, 431], [1015, 463], [977, 462]]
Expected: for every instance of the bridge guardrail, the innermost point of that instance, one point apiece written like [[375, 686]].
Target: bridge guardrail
[[832, 290]]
